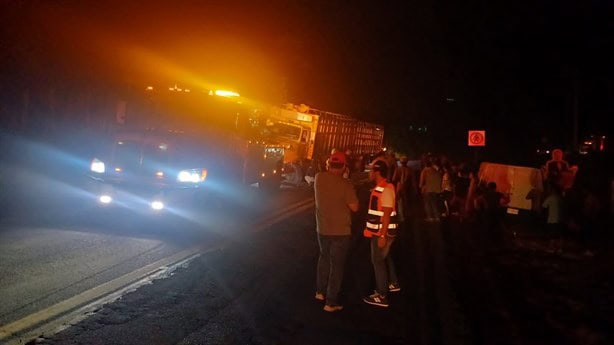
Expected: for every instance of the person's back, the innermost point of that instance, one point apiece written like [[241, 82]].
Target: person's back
[[402, 178], [391, 161], [335, 199], [431, 180], [461, 186], [332, 195], [492, 199], [430, 186], [493, 202]]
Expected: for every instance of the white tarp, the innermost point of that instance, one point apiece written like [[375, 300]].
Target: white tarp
[[517, 182]]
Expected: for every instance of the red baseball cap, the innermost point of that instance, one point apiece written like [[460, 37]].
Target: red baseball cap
[[337, 158]]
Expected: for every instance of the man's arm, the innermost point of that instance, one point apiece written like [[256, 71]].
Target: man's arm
[[351, 198], [395, 176], [387, 201]]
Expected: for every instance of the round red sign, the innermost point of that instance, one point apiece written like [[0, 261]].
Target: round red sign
[[477, 138]]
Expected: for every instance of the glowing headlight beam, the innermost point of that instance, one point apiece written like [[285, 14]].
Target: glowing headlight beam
[[97, 166], [157, 205], [193, 175]]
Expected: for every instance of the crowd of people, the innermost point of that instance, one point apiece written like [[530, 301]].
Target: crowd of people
[[376, 194]]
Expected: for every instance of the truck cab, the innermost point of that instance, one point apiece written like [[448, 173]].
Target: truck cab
[[153, 170]]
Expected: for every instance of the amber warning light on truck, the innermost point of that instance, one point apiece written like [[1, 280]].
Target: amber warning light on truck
[[224, 93]]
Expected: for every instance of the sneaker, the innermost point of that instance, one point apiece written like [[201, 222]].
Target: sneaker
[[320, 296], [332, 308], [377, 299], [394, 287]]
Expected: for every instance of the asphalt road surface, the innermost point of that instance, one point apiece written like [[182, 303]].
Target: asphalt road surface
[[259, 290], [51, 251], [457, 287]]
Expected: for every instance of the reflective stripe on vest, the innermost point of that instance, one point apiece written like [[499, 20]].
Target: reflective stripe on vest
[[381, 213], [379, 226], [376, 209]]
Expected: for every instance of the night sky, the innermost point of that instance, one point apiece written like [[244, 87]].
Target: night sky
[[512, 69]]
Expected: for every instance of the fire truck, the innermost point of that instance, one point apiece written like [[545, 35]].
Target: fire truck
[[177, 146]]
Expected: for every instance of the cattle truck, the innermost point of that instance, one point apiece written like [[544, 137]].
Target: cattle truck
[[308, 133]]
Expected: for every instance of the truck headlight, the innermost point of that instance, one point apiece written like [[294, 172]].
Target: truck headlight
[[157, 205], [105, 199], [97, 166], [192, 175]]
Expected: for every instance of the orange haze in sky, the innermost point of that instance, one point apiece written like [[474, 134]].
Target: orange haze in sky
[[246, 49]]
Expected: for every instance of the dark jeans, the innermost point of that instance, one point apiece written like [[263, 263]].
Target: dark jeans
[[333, 252], [383, 266], [431, 205], [402, 208]]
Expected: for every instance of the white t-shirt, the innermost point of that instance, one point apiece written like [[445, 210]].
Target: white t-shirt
[[387, 198]]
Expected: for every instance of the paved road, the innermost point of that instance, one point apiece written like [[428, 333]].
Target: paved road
[[260, 291], [456, 289], [41, 267], [51, 251]]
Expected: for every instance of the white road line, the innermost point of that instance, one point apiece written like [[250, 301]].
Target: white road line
[[93, 294]]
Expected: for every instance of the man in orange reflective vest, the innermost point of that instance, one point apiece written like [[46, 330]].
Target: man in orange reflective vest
[[381, 228]]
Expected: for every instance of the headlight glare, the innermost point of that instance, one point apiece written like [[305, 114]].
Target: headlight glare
[[97, 166], [192, 176], [157, 205], [105, 199]]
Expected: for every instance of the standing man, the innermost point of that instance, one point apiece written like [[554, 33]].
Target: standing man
[[430, 187], [335, 198], [559, 172], [391, 162], [381, 228], [404, 181]]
